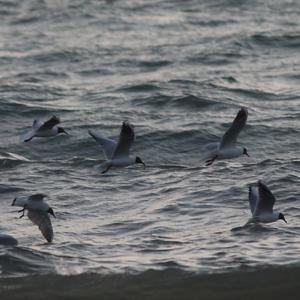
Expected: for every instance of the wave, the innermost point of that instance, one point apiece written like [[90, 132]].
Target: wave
[[9, 160], [285, 40], [144, 87], [184, 102], [15, 261], [171, 283]]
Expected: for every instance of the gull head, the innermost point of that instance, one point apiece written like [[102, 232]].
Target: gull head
[[245, 152], [139, 161], [281, 217], [51, 212], [61, 130]]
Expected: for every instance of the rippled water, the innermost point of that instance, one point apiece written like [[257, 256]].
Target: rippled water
[[179, 71]]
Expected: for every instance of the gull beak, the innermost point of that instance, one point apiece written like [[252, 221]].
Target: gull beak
[[62, 130], [139, 161], [51, 212], [281, 217], [246, 152], [65, 132]]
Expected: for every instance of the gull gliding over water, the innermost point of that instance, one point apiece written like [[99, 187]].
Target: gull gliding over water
[[117, 154], [261, 205], [227, 148], [46, 129], [38, 211]]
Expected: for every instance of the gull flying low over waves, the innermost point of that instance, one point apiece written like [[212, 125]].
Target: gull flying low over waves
[[47, 129], [227, 148], [118, 154], [38, 211], [261, 205]]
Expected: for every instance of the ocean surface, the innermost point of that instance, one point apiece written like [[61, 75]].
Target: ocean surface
[[179, 71]]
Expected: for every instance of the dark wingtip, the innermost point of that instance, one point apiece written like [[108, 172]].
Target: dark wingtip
[[127, 128], [242, 113], [49, 239], [126, 124], [244, 110]]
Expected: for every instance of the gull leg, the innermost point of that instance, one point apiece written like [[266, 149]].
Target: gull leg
[[104, 171], [210, 161], [21, 211], [27, 140]]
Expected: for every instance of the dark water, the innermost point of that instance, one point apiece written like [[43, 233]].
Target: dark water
[[179, 71]]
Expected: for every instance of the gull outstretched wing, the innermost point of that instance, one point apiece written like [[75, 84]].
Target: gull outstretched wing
[[231, 135], [125, 142], [253, 198], [50, 123], [42, 220], [266, 199], [108, 146]]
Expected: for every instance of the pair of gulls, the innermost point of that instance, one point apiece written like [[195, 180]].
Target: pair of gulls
[[117, 154], [261, 202]]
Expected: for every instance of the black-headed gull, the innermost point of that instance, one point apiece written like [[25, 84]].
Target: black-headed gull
[[38, 211], [261, 204], [117, 154], [227, 148], [46, 129]]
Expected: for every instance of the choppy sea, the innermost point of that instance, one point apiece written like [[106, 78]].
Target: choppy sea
[[178, 71]]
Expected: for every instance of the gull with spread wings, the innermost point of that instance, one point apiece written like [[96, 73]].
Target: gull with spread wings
[[261, 202], [227, 148], [38, 212], [117, 154], [46, 129]]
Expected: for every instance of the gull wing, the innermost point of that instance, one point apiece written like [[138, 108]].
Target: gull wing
[[266, 199], [126, 140], [37, 197], [231, 135], [253, 198], [50, 123], [27, 136], [108, 146], [42, 220]]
